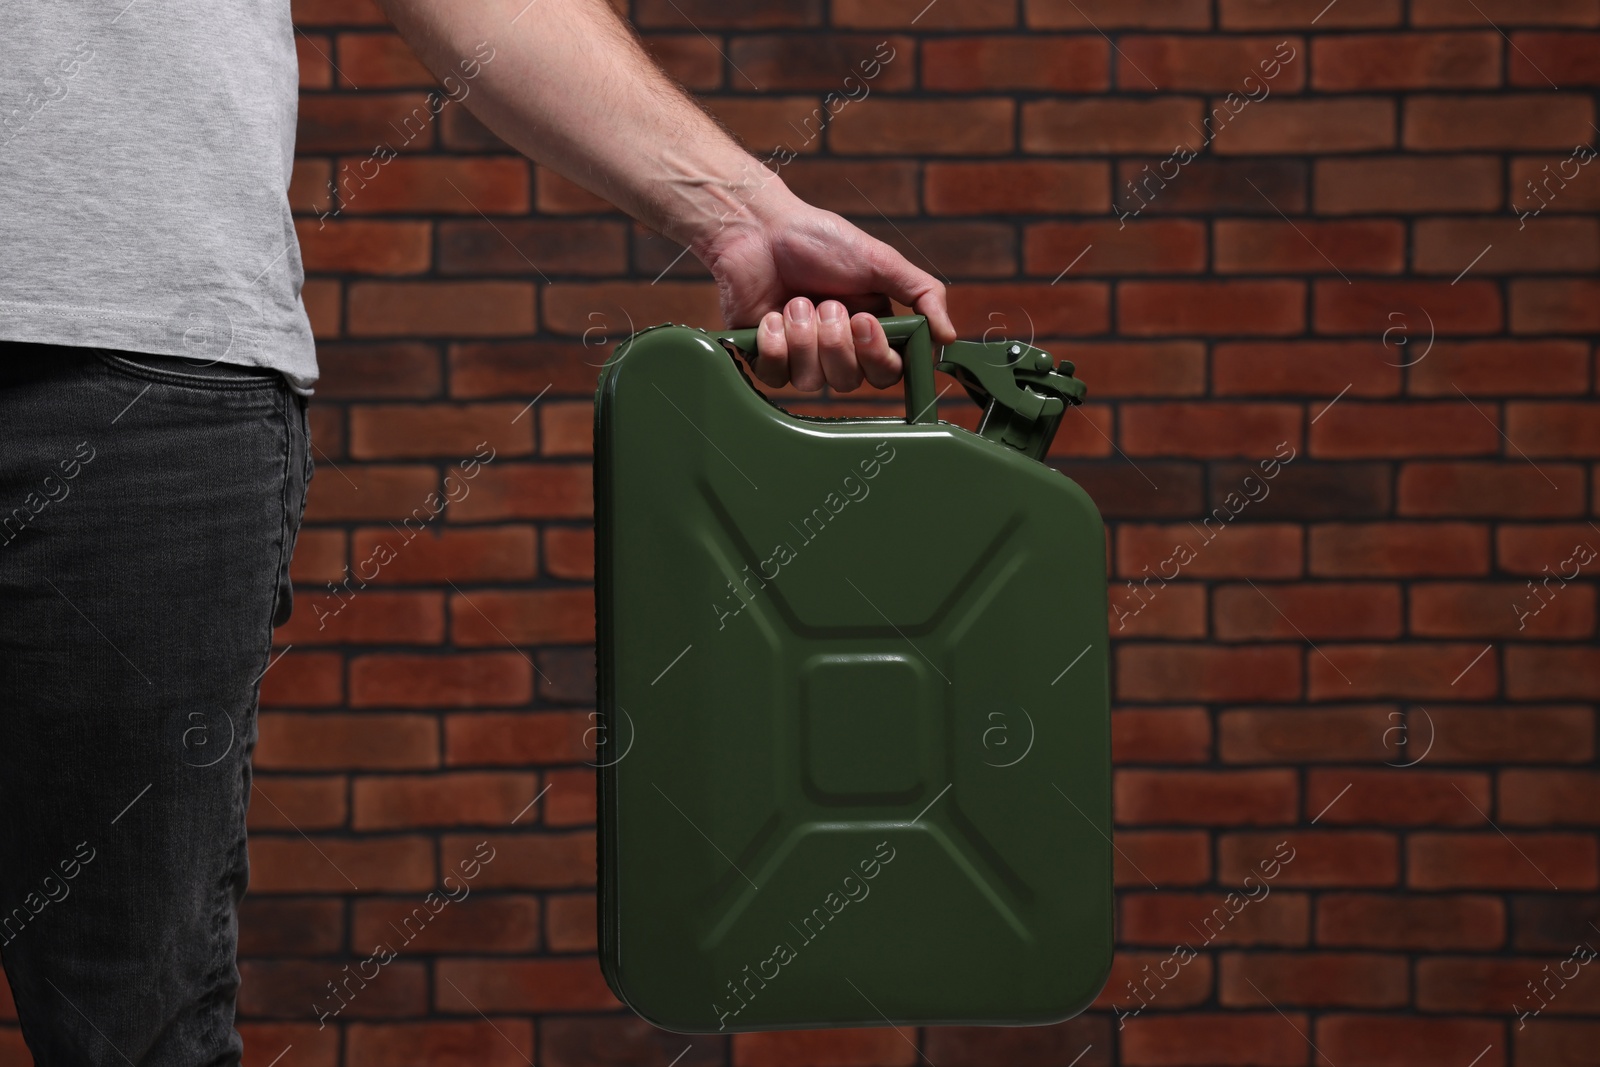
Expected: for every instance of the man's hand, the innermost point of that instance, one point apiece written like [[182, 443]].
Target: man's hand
[[771, 259], [567, 83]]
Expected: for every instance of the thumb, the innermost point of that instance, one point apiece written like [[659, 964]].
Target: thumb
[[894, 276]]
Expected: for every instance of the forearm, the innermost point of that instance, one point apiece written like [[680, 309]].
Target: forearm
[[569, 86]]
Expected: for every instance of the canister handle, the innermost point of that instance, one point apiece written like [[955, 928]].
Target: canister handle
[[910, 334]]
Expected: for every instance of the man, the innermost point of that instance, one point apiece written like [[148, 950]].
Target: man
[[155, 360]]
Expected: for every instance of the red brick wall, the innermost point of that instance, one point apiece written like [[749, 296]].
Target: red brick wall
[[1342, 272]]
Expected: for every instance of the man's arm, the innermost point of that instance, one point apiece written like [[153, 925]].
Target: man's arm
[[570, 87]]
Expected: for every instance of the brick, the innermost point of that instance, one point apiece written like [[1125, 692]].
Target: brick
[[801, 1048], [1440, 549], [462, 799], [469, 922], [880, 126], [1141, 610], [1302, 368], [289, 926], [477, 680], [1532, 120], [557, 195], [984, 64], [367, 617], [1160, 735], [470, 309], [525, 368], [1402, 184], [460, 131], [1211, 430], [364, 246], [1307, 247], [1565, 58], [1305, 735], [1141, 247], [1400, 797], [1409, 922], [1501, 490], [311, 53], [567, 675], [1501, 610], [1254, 550], [791, 124], [1560, 673], [1107, 14], [439, 556], [1313, 980], [1441, 307], [844, 64], [436, 184], [579, 1041], [1088, 1036], [1280, 918], [532, 985], [1557, 1043], [532, 246], [1544, 922], [303, 680], [1489, 985], [896, 14], [977, 249], [1314, 491], [1549, 798], [1166, 857], [571, 922], [1194, 1039], [1154, 368], [517, 739], [1105, 126], [410, 431], [1365, 62], [336, 13], [319, 556], [296, 803], [529, 491], [526, 860], [546, 616], [324, 304], [1066, 308], [1506, 13], [1492, 861], [380, 61], [308, 186], [1177, 672], [295, 864], [1502, 368], [1165, 308], [1314, 612], [1016, 187], [1512, 734], [569, 553], [1356, 429], [1356, 858], [1554, 429], [889, 186], [1227, 64], [566, 428], [1173, 489], [295, 989], [691, 14], [1292, 15], [1141, 978], [1542, 184], [571, 798], [570, 307], [1391, 1041], [350, 122], [1346, 124], [1544, 550], [1205, 798], [1565, 306], [1214, 186], [332, 741], [690, 59], [1506, 246], [377, 370], [1414, 671], [505, 1043]]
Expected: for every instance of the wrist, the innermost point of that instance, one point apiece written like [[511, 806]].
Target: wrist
[[747, 198]]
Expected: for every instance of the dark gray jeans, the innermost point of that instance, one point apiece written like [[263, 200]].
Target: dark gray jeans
[[148, 508]]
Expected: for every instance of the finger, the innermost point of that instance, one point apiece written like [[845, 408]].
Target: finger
[[799, 323], [835, 351], [872, 303], [772, 351], [879, 363], [894, 276]]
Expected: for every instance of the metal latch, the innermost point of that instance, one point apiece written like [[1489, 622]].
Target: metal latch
[[1022, 390]]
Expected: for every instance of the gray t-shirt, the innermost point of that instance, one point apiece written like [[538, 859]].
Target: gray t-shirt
[[145, 155]]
